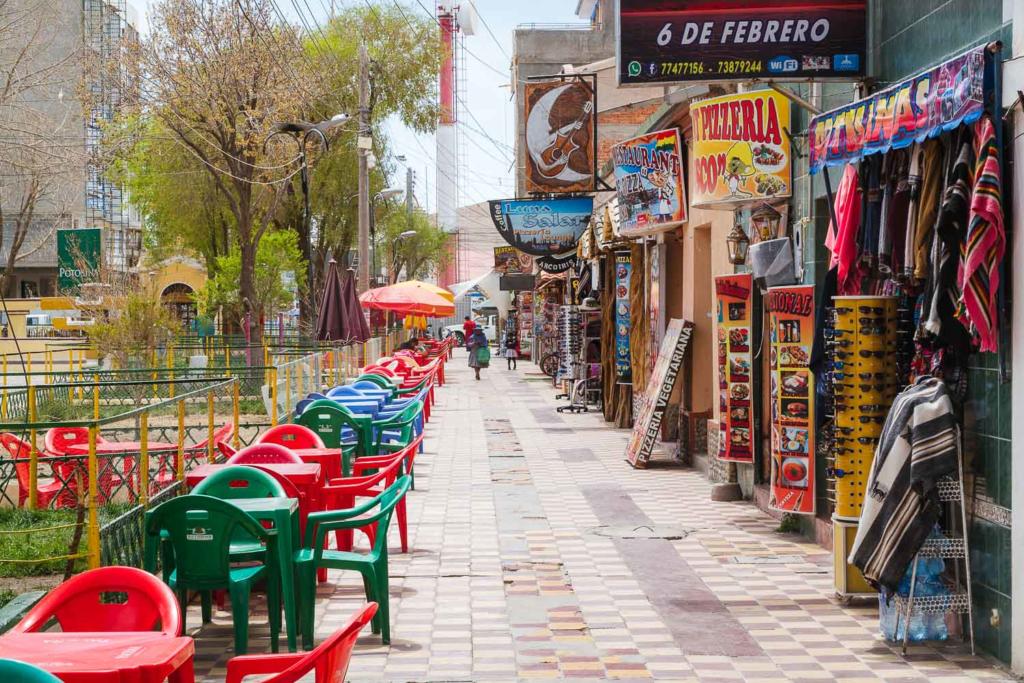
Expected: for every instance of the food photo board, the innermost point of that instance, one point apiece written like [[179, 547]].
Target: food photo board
[[735, 365]]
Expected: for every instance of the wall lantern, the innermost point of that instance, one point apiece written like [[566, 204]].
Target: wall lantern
[[764, 221], [737, 243]]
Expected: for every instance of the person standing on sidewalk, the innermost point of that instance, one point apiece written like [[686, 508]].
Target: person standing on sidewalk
[[468, 327], [511, 350], [479, 353]]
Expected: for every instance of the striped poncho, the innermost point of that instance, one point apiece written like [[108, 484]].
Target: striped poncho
[[983, 247], [919, 445]]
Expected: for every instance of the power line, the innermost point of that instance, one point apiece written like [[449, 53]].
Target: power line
[[490, 32]]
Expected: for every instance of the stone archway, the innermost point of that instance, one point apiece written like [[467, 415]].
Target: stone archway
[[177, 297]]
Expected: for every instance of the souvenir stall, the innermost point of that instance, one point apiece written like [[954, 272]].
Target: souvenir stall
[[914, 292]]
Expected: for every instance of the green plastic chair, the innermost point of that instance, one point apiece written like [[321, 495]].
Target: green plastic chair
[[200, 530], [237, 482], [327, 417], [13, 671], [400, 428], [373, 565]]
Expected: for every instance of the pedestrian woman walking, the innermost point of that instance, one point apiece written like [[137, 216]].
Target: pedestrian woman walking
[[479, 353]]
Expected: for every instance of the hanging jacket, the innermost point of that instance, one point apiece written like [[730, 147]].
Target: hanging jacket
[[927, 206], [842, 239], [918, 446]]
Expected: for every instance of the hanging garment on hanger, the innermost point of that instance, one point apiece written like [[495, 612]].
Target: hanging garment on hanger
[[873, 216], [841, 240], [914, 188], [918, 446], [897, 213], [888, 185], [949, 234], [983, 247], [928, 206]]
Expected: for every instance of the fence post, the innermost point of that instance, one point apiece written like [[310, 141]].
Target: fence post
[[273, 397], [94, 524], [288, 391], [181, 441], [144, 458], [234, 413], [33, 453], [5, 370], [96, 397], [210, 427]]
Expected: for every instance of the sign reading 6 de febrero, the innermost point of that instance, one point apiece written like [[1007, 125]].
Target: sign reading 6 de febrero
[[667, 41]]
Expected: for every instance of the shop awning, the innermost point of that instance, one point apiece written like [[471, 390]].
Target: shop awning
[[914, 110]]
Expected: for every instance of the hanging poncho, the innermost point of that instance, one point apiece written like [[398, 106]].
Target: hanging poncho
[[982, 250]]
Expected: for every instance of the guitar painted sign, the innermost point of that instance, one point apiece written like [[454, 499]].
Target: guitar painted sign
[[560, 136]]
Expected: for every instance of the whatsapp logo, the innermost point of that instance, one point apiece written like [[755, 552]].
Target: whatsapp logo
[[634, 68]]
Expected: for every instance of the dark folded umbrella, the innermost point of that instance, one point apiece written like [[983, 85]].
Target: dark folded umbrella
[[358, 327], [331, 321]]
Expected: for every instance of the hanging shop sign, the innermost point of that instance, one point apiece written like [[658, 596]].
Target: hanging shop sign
[[740, 153], [556, 264], [921, 107], [623, 270], [735, 364], [652, 403], [710, 40], [561, 135], [791, 330], [78, 258], [649, 183], [509, 260], [542, 227]]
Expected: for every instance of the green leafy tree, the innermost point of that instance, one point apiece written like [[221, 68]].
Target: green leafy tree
[[277, 256], [412, 244]]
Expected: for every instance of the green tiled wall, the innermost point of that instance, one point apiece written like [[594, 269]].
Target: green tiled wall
[[907, 37]]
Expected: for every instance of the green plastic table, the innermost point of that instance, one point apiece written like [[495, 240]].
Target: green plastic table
[[284, 513]]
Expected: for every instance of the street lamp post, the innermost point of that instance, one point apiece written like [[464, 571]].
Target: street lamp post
[[302, 132], [382, 196]]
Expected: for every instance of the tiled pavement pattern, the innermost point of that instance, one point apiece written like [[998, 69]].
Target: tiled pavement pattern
[[538, 553]]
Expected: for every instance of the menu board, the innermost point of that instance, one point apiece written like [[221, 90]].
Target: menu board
[[623, 270], [650, 407], [735, 389], [526, 324], [791, 330]]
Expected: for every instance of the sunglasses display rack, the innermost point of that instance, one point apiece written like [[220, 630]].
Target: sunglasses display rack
[[864, 383], [570, 343], [861, 342]]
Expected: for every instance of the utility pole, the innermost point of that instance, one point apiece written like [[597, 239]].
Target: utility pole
[[364, 146], [409, 186]]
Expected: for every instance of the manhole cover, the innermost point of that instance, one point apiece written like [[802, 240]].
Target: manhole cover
[[769, 559], [665, 532]]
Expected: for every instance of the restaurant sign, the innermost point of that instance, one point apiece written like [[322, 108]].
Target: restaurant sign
[[542, 227], [649, 183], [509, 260], [921, 107], [740, 152], [667, 41]]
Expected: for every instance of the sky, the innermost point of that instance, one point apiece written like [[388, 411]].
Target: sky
[[486, 106]]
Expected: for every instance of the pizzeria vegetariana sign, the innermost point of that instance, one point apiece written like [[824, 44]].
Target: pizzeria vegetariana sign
[[740, 152], [936, 100]]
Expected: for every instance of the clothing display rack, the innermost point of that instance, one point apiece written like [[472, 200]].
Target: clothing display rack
[[952, 545]]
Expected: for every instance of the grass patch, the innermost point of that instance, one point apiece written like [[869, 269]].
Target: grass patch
[[41, 540]]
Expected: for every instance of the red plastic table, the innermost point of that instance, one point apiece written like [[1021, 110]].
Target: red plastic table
[[328, 458], [116, 447], [128, 657], [304, 476]]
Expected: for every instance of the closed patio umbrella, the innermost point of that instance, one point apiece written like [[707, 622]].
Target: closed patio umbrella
[[359, 328], [331, 322]]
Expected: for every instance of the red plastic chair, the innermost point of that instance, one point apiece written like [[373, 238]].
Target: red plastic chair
[[407, 456], [227, 450], [78, 604], [291, 436], [329, 660], [264, 453], [45, 493], [56, 442]]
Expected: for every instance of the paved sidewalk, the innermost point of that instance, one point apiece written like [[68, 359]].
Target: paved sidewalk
[[537, 552]]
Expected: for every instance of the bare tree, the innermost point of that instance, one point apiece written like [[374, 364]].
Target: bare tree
[[218, 74], [39, 153]]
